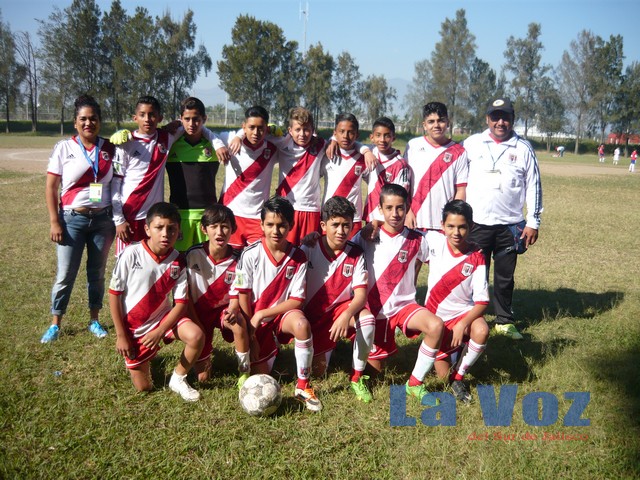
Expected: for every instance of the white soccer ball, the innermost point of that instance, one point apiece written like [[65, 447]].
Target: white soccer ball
[[260, 395]]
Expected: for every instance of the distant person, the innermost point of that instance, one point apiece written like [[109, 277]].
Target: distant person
[[632, 163], [601, 153], [560, 150], [503, 177], [616, 155], [78, 196]]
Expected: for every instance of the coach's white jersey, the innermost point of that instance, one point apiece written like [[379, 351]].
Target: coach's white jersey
[[436, 172], [269, 282], [391, 168], [331, 280], [69, 162], [146, 280], [456, 282], [343, 178], [392, 269]]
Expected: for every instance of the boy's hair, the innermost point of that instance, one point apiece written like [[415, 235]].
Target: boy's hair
[[347, 117], [164, 210], [280, 206], [435, 107], [384, 122], [193, 103], [257, 111], [458, 207], [300, 115], [149, 100], [338, 207], [393, 189], [86, 101], [218, 213]]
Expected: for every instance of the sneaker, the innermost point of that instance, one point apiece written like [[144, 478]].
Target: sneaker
[[421, 393], [460, 391], [509, 330], [308, 397], [361, 390], [241, 379], [179, 385], [97, 329], [51, 335]]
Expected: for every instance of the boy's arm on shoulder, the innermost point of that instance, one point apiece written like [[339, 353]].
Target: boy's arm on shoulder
[[218, 145]]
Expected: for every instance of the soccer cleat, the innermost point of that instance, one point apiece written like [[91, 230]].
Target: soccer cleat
[[120, 137], [241, 379], [508, 330], [308, 397], [179, 385], [361, 390], [51, 335], [421, 393], [460, 391], [97, 329]]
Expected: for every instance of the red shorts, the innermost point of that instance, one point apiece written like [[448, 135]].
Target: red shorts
[[137, 226], [248, 232], [320, 326], [303, 224], [384, 342], [270, 336], [145, 354], [446, 350], [209, 324]]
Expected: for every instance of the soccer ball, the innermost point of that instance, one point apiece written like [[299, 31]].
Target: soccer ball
[[260, 395]]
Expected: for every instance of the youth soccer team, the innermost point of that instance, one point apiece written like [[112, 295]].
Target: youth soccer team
[[255, 266]]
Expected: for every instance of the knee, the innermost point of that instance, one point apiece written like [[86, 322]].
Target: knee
[[479, 330], [192, 335]]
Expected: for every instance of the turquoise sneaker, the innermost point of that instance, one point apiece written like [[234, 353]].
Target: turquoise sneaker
[[361, 390], [51, 335], [97, 329], [421, 393]]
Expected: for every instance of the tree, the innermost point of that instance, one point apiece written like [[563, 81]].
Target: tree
[[83, 38], [377, 96], [347, 84], [27, 56], [318, 67], [523, 57], [626, 119], [550, 116], [575, 73], [11, 73], [418, 93], [482, 88], [115, 77], [255, 66], [604, 85]]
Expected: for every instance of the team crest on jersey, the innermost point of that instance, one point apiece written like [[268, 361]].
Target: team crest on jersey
[[347, 270], [289, 272], [207, 152], [105, 156], [447, 157], [174, 271], [267, 153], [358, 170], [228, 278], [388, 176], [513, 158], [162, 148], [467, 269], [403, 256]]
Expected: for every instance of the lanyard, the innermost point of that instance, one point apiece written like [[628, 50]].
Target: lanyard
[[494, 160], [92, 163]]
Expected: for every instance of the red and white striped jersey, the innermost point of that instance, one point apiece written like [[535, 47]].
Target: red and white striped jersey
[[390, 169], [209, 281], [436, 172], [269, 282], [68, 162], [331, 281], [456, 282], [392, 269], [146, 280], [343, 178]]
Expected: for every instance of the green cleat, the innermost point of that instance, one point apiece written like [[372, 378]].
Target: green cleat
[[508, 330], [241, 379], [421, 393], [361, 390]]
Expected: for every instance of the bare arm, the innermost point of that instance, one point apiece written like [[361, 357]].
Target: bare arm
[[51, 194]]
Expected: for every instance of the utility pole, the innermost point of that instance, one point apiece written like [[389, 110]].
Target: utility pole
[[304, 13]]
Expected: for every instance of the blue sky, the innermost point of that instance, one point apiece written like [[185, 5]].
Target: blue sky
[[385, 37]]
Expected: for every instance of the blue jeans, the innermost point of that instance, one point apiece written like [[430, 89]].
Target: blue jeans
[[97, 234]]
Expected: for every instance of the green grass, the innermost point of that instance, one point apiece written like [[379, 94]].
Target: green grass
[[577, 296]]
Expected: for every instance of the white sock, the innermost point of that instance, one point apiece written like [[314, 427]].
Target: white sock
[[470, 354], [303, 350], [424, 362], [365, 330], [243, 361]]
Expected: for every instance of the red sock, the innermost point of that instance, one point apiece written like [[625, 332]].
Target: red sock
[[303, 383], [413, 381], [456, 376], [355, 375]]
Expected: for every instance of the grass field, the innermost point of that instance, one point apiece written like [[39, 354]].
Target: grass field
[[68, 410]]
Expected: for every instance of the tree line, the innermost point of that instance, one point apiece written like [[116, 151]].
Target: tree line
[[119, 56]]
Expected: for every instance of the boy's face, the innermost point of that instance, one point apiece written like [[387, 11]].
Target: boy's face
[[192, 122], [275, 228], [337, 230], [147, 118], [346, 134], [163, 233], [218, 234], [394, 211], [300, 132], [383, 138], [255, 129], [456, 229], [435, 128]]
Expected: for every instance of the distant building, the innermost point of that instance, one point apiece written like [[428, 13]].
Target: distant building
[[621, 139]]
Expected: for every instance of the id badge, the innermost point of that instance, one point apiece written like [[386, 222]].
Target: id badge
[[493, 179], [95, 192]]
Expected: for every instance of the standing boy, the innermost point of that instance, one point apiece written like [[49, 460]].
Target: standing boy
[[632, 162], [143, 314], [393, 264], [337, 280], [211, 269], [439, 169], [270, 290]]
